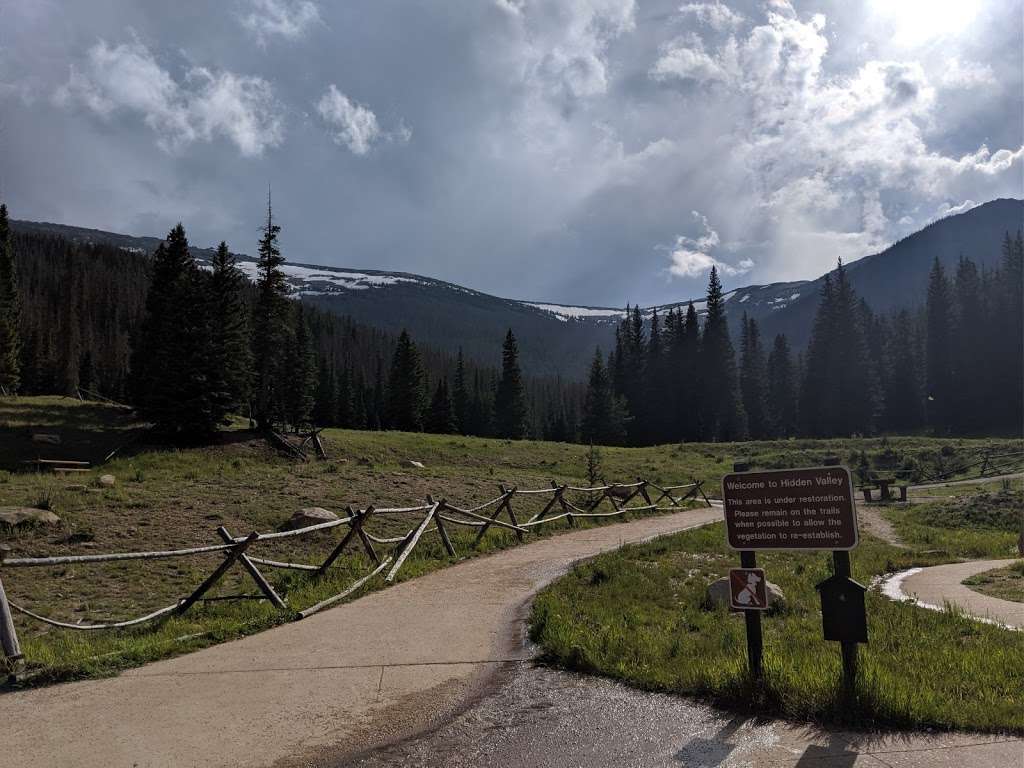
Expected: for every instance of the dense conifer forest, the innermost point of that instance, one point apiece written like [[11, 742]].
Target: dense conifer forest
[[189, 346]]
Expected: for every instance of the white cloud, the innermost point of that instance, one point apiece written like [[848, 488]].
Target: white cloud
[[966, 74], [690, 257], [204, 105], [951, 210], [687, 60], [565, 43], [824, 156], [281, 18], [717, 15], [353, 125]]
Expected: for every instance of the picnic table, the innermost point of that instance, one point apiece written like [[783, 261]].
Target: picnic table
[[884, 489]]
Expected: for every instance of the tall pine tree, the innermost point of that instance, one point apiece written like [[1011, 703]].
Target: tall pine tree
[[510, 398], [752, 378], [782, 398], [10, 311], [460, 397], [271, 330], [173, 358], [938, 352], [231, 368], [722, 412], [406, 391], [440, 416], [300, 367], [604, 421]]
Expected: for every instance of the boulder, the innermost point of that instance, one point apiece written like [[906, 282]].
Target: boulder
[[411, 464], [42, 437], [108, 481], [17, 516], [717, 594], [310, 516]]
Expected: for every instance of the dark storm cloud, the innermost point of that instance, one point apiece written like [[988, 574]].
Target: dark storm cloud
[[583, 151]]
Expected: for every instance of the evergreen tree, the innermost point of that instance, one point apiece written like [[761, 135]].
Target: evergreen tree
[[782, 400], [66, 380], [753, 376], [460, 397], [510, 400], [440, 416], [231, 365], [405, 389], [271, 330], [603, 420], [345, 401], [300, 373], [173, 358], [722, 411], [687, 365], [657, 402], [1005, 408], [10, 311], [904, 396], [325, 408], [938, 352], [376, 412], [970, 347], [815, 419]]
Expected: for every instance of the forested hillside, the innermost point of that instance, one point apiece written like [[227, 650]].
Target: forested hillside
[[82, 305], [187, 338]]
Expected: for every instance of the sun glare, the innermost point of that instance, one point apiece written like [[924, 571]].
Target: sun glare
[[920, 21]]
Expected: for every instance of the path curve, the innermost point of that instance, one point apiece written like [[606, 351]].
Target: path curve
[[368, 672], [940, 584]]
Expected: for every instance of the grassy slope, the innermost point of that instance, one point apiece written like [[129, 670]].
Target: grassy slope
[[636, 615], [176, 498], [1004, 583]]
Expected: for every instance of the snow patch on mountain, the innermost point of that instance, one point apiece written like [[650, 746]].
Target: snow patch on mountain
[[319, 281]]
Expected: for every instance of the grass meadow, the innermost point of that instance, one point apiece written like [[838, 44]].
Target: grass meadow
[[638, 615], [174, 497]]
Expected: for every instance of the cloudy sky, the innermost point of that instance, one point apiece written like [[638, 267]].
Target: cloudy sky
[[577, 151]]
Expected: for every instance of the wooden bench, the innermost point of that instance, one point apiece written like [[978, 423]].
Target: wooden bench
[[58, 465]]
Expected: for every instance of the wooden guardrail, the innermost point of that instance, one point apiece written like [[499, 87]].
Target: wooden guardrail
[[437, 515]]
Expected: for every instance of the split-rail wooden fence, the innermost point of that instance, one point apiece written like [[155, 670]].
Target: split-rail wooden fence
[[437, 516]]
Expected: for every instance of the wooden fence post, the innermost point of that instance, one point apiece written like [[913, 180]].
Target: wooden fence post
[[440, 526], [8, 636], [508, 507], [258, 577], [233, 554]]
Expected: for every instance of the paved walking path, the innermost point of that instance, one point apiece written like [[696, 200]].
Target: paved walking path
[[418, 657], [365, 672], [941, 584]]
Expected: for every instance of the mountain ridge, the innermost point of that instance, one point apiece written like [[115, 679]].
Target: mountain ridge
[[560, 339]]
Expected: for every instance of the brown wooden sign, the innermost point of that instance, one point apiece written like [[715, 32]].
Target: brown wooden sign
[[790, 509]]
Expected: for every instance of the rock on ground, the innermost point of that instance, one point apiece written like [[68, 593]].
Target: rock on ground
[[108, 481], [310, 516], [15, 516], [411, 464]]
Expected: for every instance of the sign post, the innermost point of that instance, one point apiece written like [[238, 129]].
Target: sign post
[[808, 509]]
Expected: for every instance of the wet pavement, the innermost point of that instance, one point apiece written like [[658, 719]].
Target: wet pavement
[[539, 717]]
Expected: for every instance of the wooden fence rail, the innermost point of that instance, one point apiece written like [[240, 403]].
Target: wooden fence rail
[[436, 516]]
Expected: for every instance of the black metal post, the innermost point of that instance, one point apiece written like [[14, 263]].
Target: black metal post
[[844, 569], [841, 561], [755, 640]]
